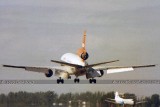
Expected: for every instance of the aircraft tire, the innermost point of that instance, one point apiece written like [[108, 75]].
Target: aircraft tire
[[60, 81], [69, 77], [92, 80], [76, 80]]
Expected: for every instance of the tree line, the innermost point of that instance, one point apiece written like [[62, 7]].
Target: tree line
[[46, 99]]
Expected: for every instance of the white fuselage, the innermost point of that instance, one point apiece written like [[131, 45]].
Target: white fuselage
[[120, 100], [72, 59]]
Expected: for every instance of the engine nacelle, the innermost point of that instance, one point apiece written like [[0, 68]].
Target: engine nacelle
[[101, 72], [49, 74], [84, 56], [82, 53], [92, 73]]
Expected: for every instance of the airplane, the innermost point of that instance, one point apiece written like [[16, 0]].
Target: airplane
[[122, 101], [76, 64]]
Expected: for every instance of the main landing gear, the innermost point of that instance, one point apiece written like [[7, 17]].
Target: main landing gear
[[60, 80], [76, 80], [69, 77], [92, 80]]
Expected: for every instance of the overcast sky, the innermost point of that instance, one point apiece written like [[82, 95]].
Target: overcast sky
[[32, 32]]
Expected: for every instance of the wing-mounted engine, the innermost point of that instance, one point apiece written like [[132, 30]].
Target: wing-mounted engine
[[101, 72], [49, 73], [92, 73]]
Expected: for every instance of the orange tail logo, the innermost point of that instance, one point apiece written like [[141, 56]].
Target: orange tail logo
[[82, 51]]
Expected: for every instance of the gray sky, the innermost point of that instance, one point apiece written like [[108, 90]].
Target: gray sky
[[32, 32]]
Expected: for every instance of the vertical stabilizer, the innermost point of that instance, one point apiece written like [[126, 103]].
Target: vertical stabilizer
[[116, 95], [82, 51], [84, 40]]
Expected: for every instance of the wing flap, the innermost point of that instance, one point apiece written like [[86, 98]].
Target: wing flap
[[118, 70], [121, 69], [35, 69]]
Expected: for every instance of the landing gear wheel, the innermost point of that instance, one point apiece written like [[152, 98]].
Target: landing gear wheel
[[69, 77], [76, 80], [60, 81], [92, 80]]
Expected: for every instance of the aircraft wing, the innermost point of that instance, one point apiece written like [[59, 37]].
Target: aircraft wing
[[92, 65], [140, 102], [65, 63], [36, 69], [110, 101], [121, 69]]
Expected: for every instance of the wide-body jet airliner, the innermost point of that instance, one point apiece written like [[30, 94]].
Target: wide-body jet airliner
[[76, 64]]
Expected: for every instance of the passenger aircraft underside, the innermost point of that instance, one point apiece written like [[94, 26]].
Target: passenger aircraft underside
[[76, 64]]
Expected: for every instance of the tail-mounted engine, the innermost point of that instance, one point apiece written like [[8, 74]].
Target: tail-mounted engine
[[82, 53], [49, 74]]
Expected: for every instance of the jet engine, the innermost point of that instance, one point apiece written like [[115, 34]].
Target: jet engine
[[88, 75], [49, 74], [84, 55], [101, 72], [82, 51], [92, 73]]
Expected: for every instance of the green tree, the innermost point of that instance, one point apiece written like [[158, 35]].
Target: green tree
[[105, 96], [155, 100], [50, 97], [148, 103], [3, 100]]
